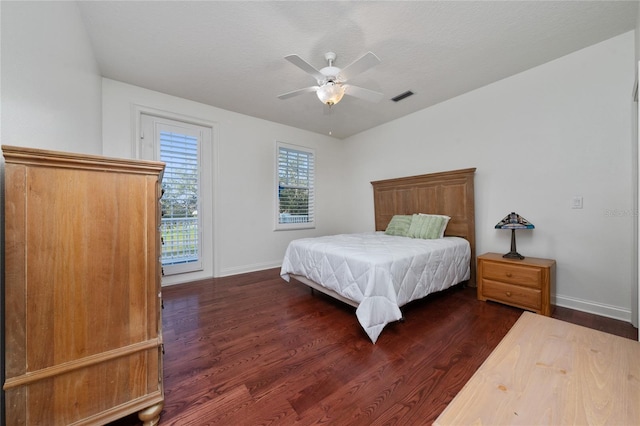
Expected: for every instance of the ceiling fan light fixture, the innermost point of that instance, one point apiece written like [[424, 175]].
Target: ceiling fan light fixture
[[330, 93]]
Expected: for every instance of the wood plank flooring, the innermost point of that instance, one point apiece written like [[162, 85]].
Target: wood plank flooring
[[253, 349]]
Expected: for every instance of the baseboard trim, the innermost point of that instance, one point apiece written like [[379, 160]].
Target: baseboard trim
[[601, 309], [249, 268]]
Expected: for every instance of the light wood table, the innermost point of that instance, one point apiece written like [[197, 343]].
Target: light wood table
[[550, 372], [526, 283]]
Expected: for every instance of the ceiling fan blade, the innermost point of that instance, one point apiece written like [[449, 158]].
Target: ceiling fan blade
[[298, 92], [362, 93], [305, 66], [366, 61]]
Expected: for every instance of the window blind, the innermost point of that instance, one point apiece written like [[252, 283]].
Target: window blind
[[295, 186], [179, 202]]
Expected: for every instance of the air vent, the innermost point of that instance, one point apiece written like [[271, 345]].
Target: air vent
[[402, 96]]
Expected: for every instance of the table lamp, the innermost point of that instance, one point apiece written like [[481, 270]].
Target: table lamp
[[514, 221]]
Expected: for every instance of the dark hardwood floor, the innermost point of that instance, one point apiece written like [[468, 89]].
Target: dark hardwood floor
[[254, 350]]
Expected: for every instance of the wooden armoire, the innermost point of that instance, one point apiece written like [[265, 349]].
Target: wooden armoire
[[82, 297]]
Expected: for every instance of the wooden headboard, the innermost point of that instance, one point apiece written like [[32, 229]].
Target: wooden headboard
[[449, 193]]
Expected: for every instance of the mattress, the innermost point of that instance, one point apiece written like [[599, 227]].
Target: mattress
[[380, 272]]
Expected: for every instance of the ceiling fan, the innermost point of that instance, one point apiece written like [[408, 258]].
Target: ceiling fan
[[332, 80]]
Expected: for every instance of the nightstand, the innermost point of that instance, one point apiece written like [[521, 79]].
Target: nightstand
[[525, 283]]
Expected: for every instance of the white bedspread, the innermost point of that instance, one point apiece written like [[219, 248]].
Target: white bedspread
[[378, 271]]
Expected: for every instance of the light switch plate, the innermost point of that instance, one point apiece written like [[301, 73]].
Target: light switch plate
[[576, 202]]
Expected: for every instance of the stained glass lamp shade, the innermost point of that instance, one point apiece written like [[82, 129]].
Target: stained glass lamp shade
[[514, 221]]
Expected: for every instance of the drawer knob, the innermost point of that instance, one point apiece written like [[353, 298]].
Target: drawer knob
[[509, 274], [508, 293]]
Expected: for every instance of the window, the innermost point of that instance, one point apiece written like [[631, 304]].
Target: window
[[295, 187], [180, 185], [179, 145]]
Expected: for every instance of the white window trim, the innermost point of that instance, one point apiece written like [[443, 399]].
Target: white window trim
[[292, 226]]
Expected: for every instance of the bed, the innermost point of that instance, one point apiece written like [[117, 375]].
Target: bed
[[379, 273]]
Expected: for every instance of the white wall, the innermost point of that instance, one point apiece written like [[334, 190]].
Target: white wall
[[538, 138], [51, 87], [244, 170], [635, 320]]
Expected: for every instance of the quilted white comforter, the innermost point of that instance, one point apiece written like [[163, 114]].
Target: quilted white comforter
[[378, 271]]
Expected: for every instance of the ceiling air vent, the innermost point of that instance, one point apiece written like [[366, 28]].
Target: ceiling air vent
[[402, 96]]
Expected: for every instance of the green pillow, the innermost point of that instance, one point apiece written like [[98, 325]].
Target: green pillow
[[427, 226], [399, 225]]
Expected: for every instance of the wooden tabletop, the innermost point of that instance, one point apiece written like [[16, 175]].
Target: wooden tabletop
[[550, 372]]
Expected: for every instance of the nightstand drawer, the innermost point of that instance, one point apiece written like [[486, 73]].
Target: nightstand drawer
[[512, 294], [515, 274]]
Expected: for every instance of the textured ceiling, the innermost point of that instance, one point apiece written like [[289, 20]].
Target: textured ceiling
[[230, 54]]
